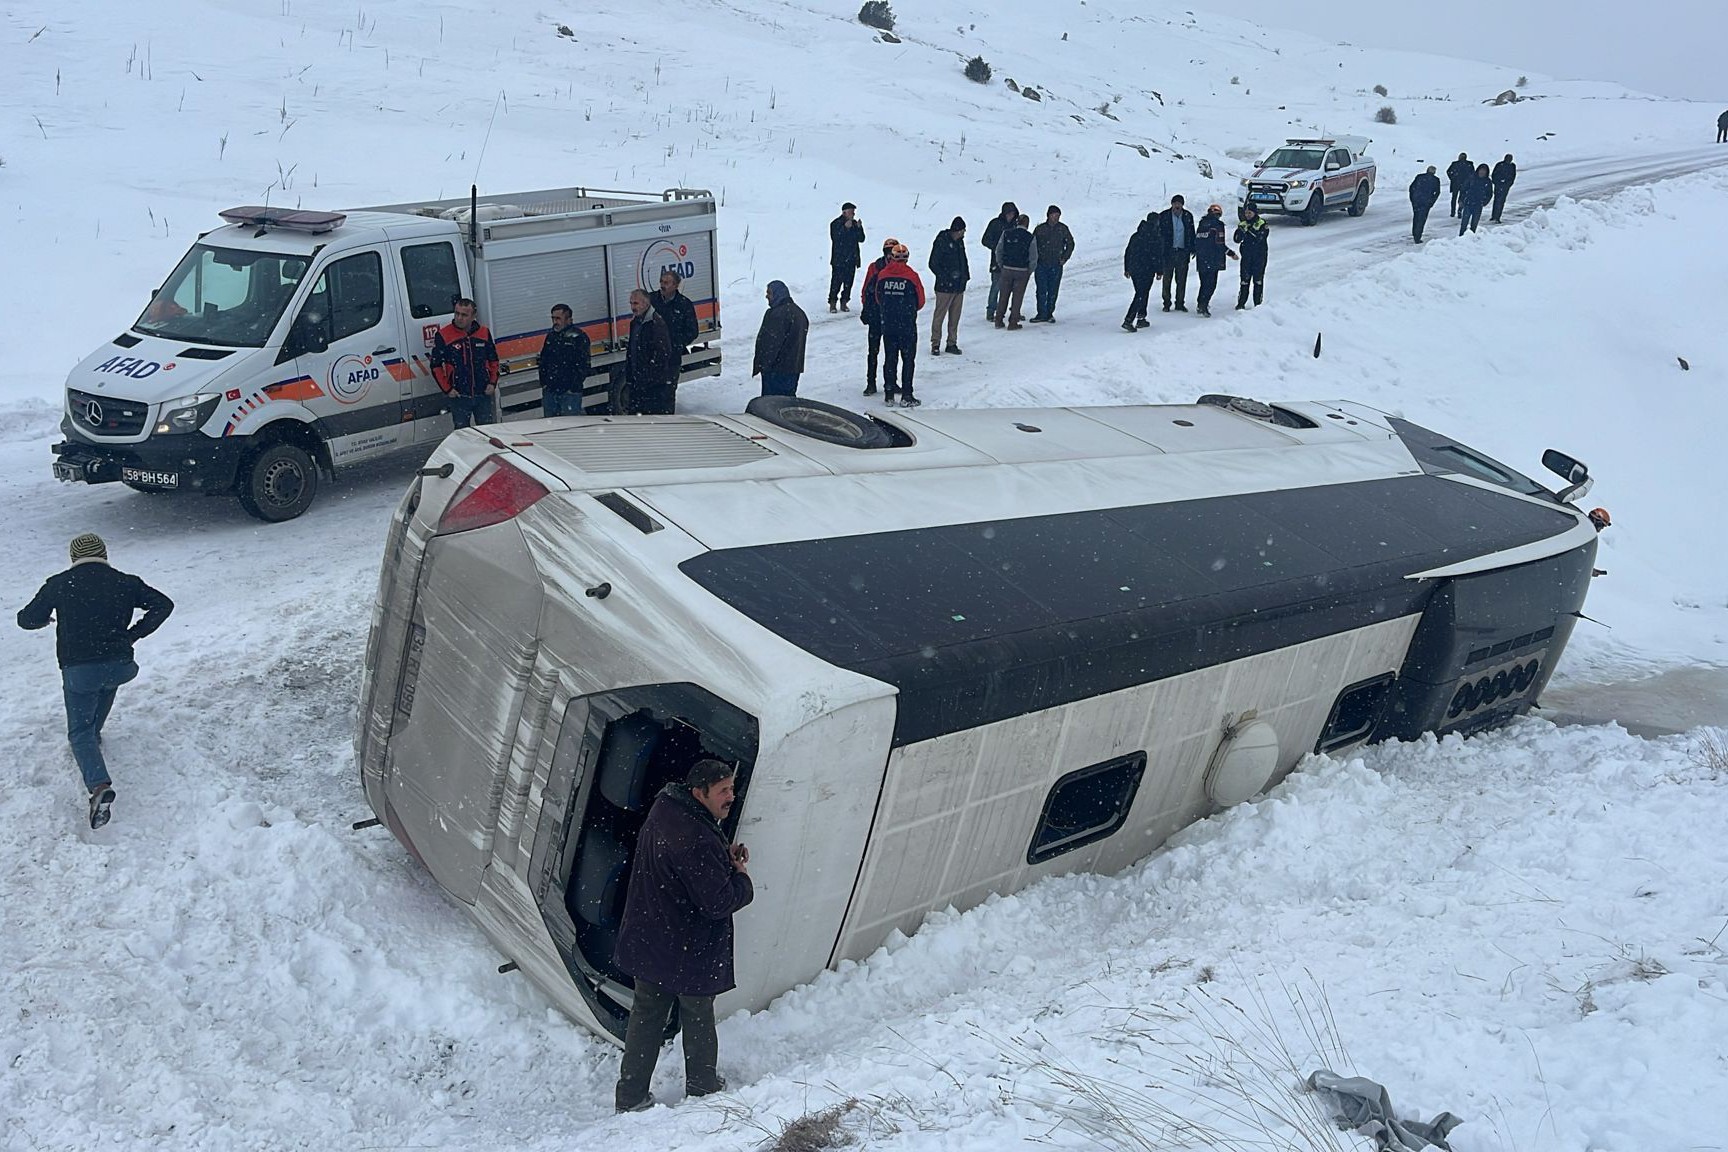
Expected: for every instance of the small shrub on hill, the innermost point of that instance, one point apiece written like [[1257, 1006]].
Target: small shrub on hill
[[1523, 81], [877, 14], [1386, 115], [978, 69], [1379, 89]]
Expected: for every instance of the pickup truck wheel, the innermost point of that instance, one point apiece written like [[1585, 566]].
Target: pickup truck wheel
[[1316, 205], [278, 483], [1360, 204]]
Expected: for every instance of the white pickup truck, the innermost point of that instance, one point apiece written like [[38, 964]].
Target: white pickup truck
[[1309, 175], [288, 344]]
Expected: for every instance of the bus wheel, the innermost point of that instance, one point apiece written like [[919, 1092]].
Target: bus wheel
[[278, 483], [819, 421]]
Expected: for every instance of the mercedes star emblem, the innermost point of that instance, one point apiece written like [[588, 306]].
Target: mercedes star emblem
[[93, 413]]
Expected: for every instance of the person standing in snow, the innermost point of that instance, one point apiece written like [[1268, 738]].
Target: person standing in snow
[[1140, 264], [780, 343], [1722, 128], [992, 236], [676, 309], [91, 606], [464, 362], [1016, 253], [950, 271], [1503, 175], [898, 295], [1458, 174], [1424, 194], [1055, 244], [650, 363], [871, 315], [1251, 237], [675, 938], [1176, 240], [1478, 190], [845, 234], [1210, 255], [563, 364]]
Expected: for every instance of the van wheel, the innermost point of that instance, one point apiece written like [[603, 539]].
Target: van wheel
[[1360, 204], [819, 421], [1316, 205], [278, 483]]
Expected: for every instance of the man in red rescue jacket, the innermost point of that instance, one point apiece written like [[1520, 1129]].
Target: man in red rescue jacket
[[465, 364], [896, 294]]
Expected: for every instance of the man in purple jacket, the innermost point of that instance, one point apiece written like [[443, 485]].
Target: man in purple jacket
[[676, 935]]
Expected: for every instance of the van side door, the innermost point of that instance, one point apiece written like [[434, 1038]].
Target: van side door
[[339, 340], [432, 279]]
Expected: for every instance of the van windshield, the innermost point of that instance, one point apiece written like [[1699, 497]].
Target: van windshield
[[1307, 158], [225, 296]]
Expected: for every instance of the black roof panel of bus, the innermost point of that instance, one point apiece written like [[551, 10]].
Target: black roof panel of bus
[[982, 621]]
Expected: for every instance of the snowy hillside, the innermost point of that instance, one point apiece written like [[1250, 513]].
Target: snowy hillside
[[1527, 929]]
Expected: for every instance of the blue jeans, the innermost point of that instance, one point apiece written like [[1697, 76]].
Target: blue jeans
[[995, 292], [780, 383], [1047, 281], [561, 403], [89, 691], [466, 410], [1469, 217]]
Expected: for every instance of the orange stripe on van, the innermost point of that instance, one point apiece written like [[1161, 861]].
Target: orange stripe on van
[[299, 388]]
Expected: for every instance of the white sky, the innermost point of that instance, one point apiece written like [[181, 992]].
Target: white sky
[[1667, 47]]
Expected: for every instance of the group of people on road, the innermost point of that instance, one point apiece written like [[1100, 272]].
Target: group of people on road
[[1474, 188], [1167, 242], [464, 359]]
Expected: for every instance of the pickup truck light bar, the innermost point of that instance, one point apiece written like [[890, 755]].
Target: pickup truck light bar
[[288, 219]]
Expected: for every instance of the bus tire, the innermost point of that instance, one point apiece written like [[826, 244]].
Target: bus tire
[[278, 482], [829, 423]]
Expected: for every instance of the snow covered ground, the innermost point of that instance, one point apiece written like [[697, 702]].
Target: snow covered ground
[[1529, 929]]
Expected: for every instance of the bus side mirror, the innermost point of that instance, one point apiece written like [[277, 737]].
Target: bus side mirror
[[1569, 469]]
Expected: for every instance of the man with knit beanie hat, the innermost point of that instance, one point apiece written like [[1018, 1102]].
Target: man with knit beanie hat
[[92, 606], [949, 268]]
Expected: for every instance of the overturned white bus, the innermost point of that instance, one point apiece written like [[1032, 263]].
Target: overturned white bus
[[949, 653]]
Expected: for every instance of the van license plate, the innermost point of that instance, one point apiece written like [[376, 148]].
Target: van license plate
[[154, 479]]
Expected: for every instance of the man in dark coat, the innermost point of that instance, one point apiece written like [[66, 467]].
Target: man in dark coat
[[675, 939], [1424, 194], [1016, 253], [1458, 174], [1722, 128], [1055, 245], [1210, 255], [845, 234], [564, 365], [1140, 263], [872, 315], [1251, 237], [898, 296], [91, 606], [1478, 190], [1503, 175], [780, 343], [676, 309], [650, 363], [992, 235], [1176, 242], [950, 271]]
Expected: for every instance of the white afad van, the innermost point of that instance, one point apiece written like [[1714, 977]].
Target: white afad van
[[289, 343], [949, 653]]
